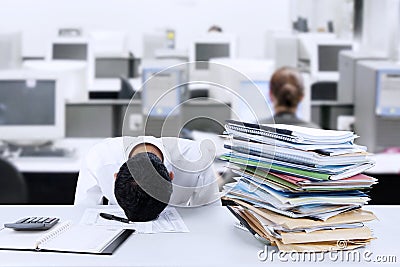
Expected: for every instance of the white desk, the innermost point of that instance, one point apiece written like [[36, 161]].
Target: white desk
[[57, 164], [52, 180], [113, 84], [212, 241], [386, 164]]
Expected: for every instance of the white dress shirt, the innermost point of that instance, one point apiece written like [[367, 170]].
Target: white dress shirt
[[194, 182]]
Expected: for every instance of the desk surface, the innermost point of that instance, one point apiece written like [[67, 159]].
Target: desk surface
[[386, 163], [212, 241], [58, 164]]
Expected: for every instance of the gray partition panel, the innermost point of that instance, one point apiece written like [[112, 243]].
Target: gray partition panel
[[89, 121]]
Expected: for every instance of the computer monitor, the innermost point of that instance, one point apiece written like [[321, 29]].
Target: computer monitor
[[348, 61], [319, 55], [152, 42], [325, 59], [228, 74], [69, 51], [164, 88], [388, 93], [244, 83], [71, 76], [203, 50], [112, 67], [32, 107], [328, 55], [73, 49], [253, 109], [377, 105], [10, 50], [281, 46], [108, 70]]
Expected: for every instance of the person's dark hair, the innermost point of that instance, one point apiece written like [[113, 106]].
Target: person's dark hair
[[287, 87], [143, 187]]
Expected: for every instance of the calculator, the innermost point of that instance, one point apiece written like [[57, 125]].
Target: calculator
[[33, 223]]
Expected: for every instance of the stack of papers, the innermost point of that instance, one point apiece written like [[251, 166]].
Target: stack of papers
[[301, 188]]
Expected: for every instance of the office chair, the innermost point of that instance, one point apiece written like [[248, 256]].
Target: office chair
[[13, 189]]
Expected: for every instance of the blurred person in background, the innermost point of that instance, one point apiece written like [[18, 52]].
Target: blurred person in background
[[286, 92]]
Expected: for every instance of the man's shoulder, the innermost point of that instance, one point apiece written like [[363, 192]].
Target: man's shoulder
[[179, 139], [188, 154], [107, 144], [173, 143], [106, 150]]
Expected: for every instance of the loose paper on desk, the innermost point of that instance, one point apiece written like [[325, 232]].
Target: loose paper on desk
[[169, 221]]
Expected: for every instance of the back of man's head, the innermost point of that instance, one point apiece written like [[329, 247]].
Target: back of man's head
[[143, 187]]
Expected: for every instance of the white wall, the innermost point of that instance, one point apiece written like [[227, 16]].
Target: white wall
[[381, 27], [319, 12], [248, 20]]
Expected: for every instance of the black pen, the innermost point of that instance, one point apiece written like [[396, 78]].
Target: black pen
[[113, 217]]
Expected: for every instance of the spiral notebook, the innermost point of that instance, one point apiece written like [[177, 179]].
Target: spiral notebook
[[239, 127], [67, 238], [289, 133]]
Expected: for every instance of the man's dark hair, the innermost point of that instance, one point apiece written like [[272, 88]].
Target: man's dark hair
[[143, 187]]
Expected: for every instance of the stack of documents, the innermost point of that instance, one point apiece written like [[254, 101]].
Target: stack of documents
[[301, 188]]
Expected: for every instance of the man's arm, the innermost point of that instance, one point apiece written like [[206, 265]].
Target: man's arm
[[88, 191], [207, 191]]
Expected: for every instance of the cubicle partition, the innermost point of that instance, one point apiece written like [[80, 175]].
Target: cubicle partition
[[104, 118]]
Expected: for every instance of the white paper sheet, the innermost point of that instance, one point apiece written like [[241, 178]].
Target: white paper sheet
[[169, 221]]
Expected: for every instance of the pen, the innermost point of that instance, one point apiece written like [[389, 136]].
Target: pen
[[113, 217]]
